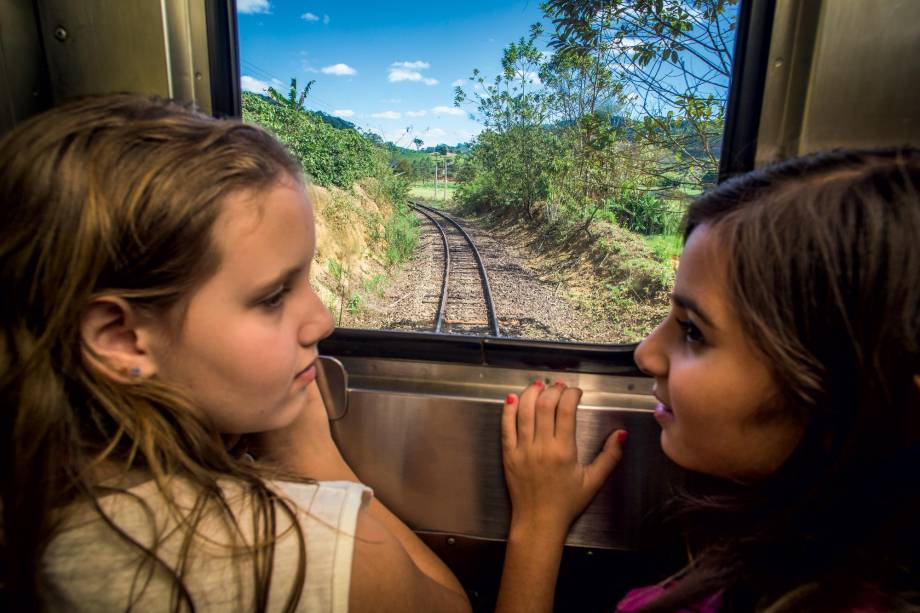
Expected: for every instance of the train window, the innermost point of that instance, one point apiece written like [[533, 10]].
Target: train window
[[509, 169]]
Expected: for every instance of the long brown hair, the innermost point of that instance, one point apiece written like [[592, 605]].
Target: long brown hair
[[115, 195], [824, 273]]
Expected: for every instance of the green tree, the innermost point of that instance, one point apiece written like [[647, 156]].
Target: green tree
[[584, 97], [516, 151], [292, 101], [673, 58], [515, 98]]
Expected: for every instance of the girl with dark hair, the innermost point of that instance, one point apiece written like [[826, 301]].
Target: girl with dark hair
[[789, 370], [154, 268]]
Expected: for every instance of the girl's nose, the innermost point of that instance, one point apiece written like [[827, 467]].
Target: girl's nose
[[650, 356], [317, 322]]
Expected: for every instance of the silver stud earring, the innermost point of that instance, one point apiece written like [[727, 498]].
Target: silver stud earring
[[135, 371]]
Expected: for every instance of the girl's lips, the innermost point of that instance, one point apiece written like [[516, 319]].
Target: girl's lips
[[307, 374], [663, 412]]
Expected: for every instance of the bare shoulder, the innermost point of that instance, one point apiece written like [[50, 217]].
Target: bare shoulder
[[384, 578]]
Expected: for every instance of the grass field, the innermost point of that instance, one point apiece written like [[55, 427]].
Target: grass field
[[425, 190]]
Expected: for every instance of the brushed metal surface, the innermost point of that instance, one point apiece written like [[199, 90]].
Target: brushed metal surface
[[841, 74], [425, 436], [863, 88], [332, 381], [187, 44], [786, 83], [152, 47]]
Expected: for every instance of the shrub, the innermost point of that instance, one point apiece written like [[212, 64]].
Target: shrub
[[330, 156], [639, 211]]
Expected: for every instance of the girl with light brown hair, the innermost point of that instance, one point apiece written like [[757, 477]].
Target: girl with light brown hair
[[154, 267]]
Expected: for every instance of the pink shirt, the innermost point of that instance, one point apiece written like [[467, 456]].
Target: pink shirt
[[641, 596]]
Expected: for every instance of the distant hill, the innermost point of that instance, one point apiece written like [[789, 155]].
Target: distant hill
[[444, 149]]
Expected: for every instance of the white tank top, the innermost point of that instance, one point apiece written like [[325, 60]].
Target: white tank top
[[88, 567]]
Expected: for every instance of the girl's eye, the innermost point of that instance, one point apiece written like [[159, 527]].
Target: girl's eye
[[277, 299], [692, 334]]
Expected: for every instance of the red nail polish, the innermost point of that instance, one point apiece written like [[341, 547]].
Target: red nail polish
[[510, 399], [622, 435], [560, 383], [539, 383]]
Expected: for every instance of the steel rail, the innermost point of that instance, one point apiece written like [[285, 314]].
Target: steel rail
[[439, 317], [484, 276]]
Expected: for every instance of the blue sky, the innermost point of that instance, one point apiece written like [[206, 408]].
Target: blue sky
[[385, 66]]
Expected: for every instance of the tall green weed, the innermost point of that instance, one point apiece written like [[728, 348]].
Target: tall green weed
[[401, 234]]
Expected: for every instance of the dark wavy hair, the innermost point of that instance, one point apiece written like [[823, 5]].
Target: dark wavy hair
[[824, 271], [115, 195]]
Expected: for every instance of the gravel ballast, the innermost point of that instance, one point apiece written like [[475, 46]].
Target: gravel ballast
[[535, 296]]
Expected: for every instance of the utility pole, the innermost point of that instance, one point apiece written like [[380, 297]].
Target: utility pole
[[436, 180]]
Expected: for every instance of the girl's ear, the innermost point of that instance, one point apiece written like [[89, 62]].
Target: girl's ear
[[115, 343]]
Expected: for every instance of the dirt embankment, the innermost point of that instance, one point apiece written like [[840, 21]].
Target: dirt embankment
[[350, 244]]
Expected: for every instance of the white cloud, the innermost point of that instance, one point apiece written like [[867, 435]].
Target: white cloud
[[409, 71], [343, 113], [251, 84], [435, 132], [309, 17], [398, 74], [416, 113], [459, 83], [339, 70], [253, 6], [448, 110], [416, 65], [387, 115]]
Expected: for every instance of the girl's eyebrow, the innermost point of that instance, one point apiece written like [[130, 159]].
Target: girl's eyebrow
[[280, 279], [691, 305]]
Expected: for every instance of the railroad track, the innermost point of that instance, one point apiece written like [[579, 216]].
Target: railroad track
[[465, 305]]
